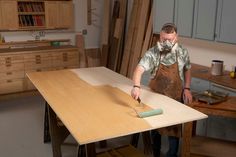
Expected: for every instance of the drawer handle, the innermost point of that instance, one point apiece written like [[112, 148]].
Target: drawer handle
[[38, 70], [38, 61], [37, 56], [8, 64], [9, 73], [9, 81], [8, 58]]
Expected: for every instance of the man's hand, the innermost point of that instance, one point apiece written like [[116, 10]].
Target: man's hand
[[135, 93], [187, 96]]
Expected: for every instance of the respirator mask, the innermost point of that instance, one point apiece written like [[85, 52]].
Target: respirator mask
[[166, 46]]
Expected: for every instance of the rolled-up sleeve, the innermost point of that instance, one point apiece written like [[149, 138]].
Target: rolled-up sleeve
[[147, 61], [187, 62]]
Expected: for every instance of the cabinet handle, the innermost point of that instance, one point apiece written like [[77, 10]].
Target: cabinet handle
[[38, 70], [9, 73], [8, 61], [37, 56], [9, 81], [38, 61], [8, 58], [8, 64]]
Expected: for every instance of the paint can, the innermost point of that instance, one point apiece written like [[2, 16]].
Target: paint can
[[217, 67]]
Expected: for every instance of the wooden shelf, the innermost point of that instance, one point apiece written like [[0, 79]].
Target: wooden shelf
[[31, 13]]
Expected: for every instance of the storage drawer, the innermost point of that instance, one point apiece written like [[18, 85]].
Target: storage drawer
[[12, 75], [11, 59], [12, 67], [62, 60], [42, 63], [36, 56], [11, 86], [37, 61]]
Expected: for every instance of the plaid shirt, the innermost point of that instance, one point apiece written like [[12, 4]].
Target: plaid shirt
[[152, 58]]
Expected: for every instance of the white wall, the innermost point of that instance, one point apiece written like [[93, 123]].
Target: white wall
[[203, 52]]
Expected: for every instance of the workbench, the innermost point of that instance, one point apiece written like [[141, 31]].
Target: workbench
[[94, 104], [223, 109]]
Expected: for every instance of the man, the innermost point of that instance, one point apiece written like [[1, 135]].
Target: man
[[170, 66]]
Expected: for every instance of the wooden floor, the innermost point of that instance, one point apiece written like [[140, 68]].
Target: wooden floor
[[209, 147]]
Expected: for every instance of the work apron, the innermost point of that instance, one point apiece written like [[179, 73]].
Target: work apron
[[167, 82]]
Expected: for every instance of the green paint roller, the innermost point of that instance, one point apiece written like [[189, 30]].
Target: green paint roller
[[147, 113], [150, 113]]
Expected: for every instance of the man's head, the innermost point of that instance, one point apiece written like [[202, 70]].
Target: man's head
[[168, 36]]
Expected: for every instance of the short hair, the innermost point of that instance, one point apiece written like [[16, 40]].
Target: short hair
[[169, 28]]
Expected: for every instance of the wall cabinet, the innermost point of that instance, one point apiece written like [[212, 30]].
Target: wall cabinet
[[179, 12], [226, 21], [15, 65], [163, 13], [59, 14], [8, 15], [31, 14], [36, 14], [209, 20], [205, 19]]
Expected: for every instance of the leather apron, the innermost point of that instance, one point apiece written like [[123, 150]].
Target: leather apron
[[167, 82]]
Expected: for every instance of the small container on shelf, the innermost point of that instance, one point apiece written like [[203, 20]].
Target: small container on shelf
[[233, 72]]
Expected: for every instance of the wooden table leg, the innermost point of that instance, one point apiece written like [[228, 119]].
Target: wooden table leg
[[90, 150], [103, 144], [58, 133], [46, 125], [186, 139], [134, 140]]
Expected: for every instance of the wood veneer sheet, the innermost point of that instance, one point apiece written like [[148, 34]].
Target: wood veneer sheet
[[90, 113]]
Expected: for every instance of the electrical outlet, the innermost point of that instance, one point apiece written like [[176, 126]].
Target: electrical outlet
[[84, 31]]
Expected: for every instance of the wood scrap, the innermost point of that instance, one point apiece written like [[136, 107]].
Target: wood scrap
[[89, 12], [105, 32], [129, 39], [93, 57], [140, 37], [120, 49], [117, 44], [80, 45], [113, 41], [148, 34]]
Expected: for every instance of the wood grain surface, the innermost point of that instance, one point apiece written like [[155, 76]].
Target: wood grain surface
[[94, 104]]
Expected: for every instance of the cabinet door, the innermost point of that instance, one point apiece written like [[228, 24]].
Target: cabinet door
[[163, 13], [66, 14], [226, 21], [8, 15], [205, 19], [184, 11], [51, 13]]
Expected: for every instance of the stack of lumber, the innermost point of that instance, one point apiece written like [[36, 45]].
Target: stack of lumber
[[124, 48]]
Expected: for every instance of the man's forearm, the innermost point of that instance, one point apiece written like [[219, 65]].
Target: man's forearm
[[187, 78], [137, 75]]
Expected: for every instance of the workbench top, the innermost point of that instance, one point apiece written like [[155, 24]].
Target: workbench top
[[204, 72], [95, 104]]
